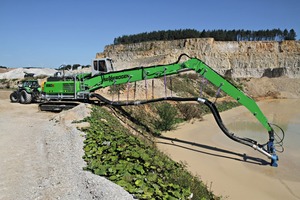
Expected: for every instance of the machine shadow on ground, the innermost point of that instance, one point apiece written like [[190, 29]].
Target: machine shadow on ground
[[212, 151]]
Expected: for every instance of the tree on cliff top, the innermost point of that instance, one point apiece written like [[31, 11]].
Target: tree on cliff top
[[218, 35], [289, 35]]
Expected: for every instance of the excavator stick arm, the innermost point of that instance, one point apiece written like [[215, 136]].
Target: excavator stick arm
[[141, 73]]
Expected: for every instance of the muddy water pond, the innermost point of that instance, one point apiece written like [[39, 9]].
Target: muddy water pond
[[286, 114], [236, 171]]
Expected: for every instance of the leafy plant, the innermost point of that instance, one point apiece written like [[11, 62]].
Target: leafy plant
[[142, 170]]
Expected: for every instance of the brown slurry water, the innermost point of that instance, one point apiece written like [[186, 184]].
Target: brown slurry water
[[235, 170], [286, 114]]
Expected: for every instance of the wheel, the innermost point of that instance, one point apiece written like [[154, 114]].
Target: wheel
[[25, 98], [14, 97], [35, 96]]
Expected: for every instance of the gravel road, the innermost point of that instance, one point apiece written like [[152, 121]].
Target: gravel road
[[41, 156]]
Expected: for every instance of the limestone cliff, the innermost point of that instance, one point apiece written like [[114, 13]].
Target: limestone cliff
[[236, 59]]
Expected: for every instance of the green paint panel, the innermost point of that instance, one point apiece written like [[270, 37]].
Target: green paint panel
[[61, 87]]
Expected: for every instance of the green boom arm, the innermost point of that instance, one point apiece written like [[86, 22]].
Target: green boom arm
[[142, 73]]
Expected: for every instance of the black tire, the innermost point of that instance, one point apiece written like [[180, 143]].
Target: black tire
[[25, 98], [35, 96], [14, 97]]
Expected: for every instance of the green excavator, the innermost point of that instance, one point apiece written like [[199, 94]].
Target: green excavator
[[60, 93]]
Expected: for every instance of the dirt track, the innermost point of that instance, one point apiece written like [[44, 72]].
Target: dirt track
[[41, 156]]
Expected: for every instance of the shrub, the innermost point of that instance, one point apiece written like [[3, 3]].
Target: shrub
[[190, 111], [116, 89], [167, 117]]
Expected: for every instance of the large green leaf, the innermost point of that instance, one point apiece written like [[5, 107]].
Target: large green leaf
[[140, 169], [138, 183], [100, 171]]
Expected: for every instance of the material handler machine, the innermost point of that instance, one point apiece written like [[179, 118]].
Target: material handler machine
[[62, 92]]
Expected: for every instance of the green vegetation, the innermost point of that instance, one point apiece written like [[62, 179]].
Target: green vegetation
[[167, 117], [184, 84], [4, 80], [191, 111], [135, 164], [164, 116], [218, 35], [116, 89]]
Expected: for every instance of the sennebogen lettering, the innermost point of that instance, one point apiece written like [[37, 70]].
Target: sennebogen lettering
[[112, 78]]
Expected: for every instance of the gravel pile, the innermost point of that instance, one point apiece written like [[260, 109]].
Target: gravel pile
[[68, 147], [20, 72]]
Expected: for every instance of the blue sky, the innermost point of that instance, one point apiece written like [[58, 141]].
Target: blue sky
[[48, 33]]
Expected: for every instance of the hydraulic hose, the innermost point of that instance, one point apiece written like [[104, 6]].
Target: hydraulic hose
[[209, 104], [245, 141], [132, 103], [216, 114]]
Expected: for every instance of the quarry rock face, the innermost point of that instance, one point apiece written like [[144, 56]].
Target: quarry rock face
[[235, 59]]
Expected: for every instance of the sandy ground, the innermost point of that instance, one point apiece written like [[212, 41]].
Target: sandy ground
[[41, 156], [220, 162]]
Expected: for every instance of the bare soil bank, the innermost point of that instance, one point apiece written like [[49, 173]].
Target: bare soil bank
[[283, 87]]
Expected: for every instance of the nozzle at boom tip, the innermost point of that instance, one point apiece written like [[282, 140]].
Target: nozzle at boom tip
[[274, 160]]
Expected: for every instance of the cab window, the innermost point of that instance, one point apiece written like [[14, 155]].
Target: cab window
[[95, 65], [102, 66]]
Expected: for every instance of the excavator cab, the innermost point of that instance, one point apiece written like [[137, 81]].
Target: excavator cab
[[102, 65]]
